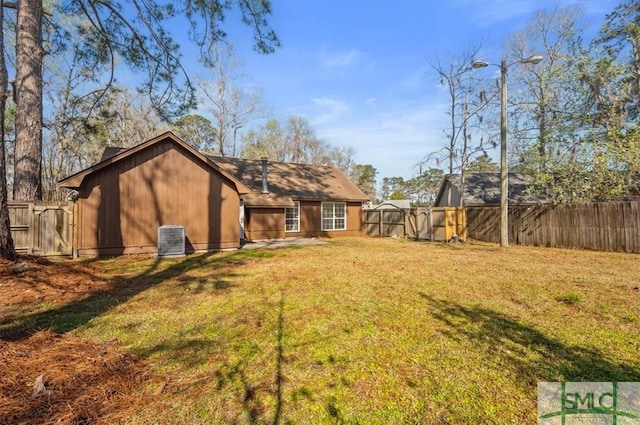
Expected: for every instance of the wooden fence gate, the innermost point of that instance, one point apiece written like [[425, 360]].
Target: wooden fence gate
[[385, 223], [436, 224], [447, 223], [42, 229]]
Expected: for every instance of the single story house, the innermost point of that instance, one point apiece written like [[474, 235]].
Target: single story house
[[295, 200], [484, 189], [123, 199]]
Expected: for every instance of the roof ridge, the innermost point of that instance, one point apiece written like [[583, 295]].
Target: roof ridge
[[271, 161]]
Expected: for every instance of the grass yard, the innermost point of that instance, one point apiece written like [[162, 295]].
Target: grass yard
[[360, 330]]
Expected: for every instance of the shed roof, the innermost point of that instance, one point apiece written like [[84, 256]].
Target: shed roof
[[394, 204], [290, 181], [113, 155], [484, 188]]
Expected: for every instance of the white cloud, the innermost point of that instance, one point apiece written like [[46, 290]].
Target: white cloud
[[394, 140], [486, 14], [340, 59], [371, 102], [328, 109]]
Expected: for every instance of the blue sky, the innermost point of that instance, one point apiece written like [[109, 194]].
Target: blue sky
[[358, 70]]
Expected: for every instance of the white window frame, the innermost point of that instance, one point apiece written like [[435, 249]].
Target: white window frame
[[329, 219], [287, 219]]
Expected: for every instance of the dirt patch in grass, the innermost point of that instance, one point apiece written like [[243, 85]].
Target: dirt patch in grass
[[48, 378]]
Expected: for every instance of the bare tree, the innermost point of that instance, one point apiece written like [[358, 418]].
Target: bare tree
[[231, 105], [295, 141], [546, 98], [78, 137], [127, 119], [468, 99], [344, 159]]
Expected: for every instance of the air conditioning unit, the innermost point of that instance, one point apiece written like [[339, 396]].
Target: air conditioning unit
[[170, 241]]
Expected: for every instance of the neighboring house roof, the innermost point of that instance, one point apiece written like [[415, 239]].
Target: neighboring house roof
[[288, 182], [484, 188], [112, 155], [395, 204]]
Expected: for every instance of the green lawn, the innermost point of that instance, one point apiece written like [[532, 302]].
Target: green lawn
[[368, 331]]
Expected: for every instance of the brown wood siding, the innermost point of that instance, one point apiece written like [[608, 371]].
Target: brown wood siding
[[264, 223], [122, 206], [311, 221]]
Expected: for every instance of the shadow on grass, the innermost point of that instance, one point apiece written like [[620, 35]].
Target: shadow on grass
[[260, 394], [253, 404], [279, 361], [534, 356], [224, 361], [64, 318]]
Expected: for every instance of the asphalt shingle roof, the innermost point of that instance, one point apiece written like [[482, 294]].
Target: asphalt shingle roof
[[289, 181], [484, 188]]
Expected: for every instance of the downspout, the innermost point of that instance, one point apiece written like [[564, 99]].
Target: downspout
[[265, 183]]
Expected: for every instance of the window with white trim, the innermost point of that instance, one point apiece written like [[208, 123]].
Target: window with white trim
[[334, 216], [292, 218]]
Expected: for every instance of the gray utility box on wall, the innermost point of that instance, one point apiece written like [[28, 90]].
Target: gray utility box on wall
[[170, 241]]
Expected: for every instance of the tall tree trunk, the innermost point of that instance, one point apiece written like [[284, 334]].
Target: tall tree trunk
[[7, 249], [29, 57]]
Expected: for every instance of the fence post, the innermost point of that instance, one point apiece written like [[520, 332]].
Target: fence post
[[430, 221], [32, 225]]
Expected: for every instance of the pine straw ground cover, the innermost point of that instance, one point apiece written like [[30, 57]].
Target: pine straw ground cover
[[49, 377], [360, 330]]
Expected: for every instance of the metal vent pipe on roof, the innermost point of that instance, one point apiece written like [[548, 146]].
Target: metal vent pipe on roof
[[265, 184]]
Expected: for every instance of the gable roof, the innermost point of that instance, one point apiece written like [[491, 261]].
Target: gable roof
[[113, 155], [289, 181], [393, 204], [484, 188]]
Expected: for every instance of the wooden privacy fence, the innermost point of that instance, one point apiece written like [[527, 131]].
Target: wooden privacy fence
[[613, 226], [41, 229], [437, 224]]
